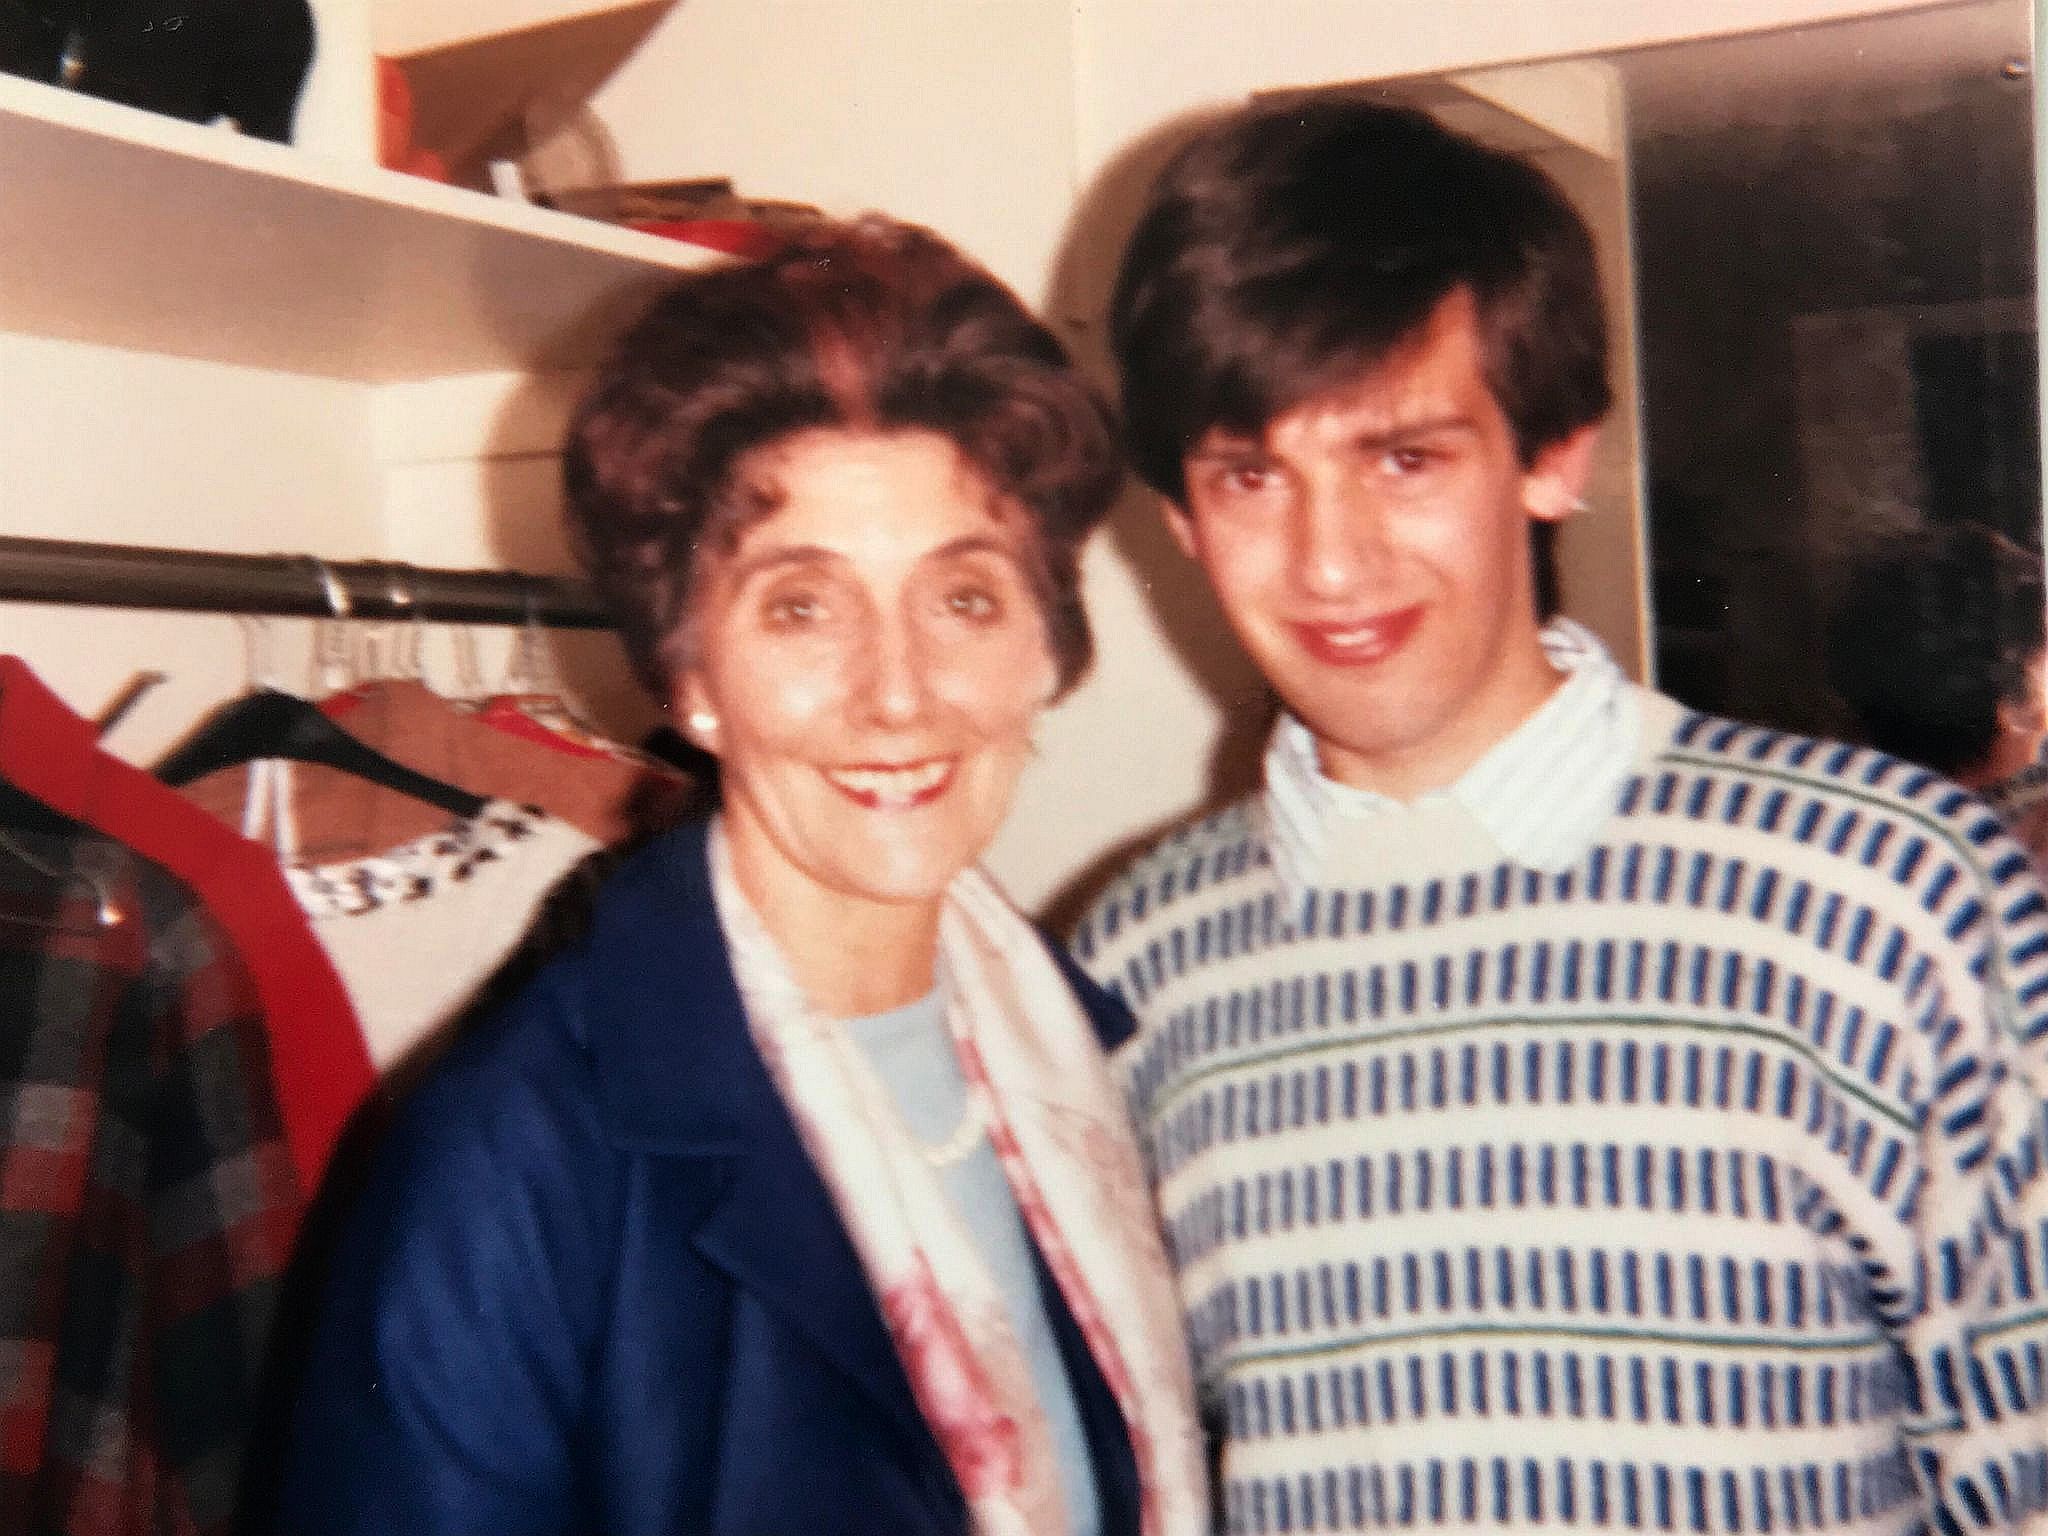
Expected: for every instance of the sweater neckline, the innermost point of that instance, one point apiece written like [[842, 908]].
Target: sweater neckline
[[415, 870]]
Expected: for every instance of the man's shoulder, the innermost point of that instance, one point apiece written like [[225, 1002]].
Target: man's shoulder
[[1820, 799], [1752, 759], [1218, 849]]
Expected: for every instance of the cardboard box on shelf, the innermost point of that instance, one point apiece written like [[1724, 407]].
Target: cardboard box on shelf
[[491, 95]]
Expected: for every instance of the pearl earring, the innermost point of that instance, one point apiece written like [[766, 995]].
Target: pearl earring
[[702, 721]]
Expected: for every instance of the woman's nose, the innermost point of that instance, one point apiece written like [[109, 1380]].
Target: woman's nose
[[897, 677]]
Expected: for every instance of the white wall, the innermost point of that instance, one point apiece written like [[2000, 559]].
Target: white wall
[[139, 448], [954, 113]]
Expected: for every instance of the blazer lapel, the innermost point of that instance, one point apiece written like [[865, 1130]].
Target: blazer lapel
[[681, 1077]]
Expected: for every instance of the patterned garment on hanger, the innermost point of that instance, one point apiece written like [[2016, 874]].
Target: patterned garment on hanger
[[148, 1197], [417, 930]]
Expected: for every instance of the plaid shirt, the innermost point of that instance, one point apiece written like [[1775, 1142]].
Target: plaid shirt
[[147, 1192]]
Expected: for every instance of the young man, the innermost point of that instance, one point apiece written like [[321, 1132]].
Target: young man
[[1566, 1110]]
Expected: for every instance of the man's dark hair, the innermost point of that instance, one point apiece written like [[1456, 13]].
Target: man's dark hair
[[868, 326], [1934, 630], [1293, 247]]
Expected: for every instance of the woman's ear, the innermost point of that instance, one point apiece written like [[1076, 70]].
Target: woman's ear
[[2024, 717], [693, 713]]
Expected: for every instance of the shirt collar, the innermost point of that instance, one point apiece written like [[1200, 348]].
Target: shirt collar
[[1541, 793]]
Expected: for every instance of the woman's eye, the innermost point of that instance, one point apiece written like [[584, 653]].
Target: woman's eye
[[977, 603]]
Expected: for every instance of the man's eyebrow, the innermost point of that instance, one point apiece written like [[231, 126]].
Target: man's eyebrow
[[1380, 436], [1221, 445], [1231, 447], [974, 544]]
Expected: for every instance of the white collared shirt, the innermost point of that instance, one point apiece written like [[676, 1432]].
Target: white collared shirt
[[1540, 793]]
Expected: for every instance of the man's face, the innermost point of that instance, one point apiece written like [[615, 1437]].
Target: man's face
[[1371, 550]]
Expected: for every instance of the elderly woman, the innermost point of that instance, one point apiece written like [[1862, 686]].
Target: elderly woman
[[794, 1198]]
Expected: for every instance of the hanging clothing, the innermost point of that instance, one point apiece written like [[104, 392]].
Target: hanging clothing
[[415, 931], [322, 1069], [499, 755], [501, 751], [148, 1189]]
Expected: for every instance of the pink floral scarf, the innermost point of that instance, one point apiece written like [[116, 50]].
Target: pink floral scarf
[[1060, 1132]]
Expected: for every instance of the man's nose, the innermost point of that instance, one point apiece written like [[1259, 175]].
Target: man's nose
[[1340, 539]]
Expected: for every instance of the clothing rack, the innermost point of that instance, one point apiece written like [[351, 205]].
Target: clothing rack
[[299, 586]]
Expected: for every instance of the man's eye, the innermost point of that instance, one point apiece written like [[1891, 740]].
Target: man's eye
[[792, 610], [1240, 479], [1409, 460]]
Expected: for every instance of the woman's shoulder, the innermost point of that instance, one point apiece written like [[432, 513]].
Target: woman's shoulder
[[539, 1048]]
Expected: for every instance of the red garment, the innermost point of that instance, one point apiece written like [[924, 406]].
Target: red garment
[[322, 1066]]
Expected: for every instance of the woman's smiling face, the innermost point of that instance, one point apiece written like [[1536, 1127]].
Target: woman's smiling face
[[866, 663]]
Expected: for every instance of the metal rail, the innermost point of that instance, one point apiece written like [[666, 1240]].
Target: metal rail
[[304, 586]]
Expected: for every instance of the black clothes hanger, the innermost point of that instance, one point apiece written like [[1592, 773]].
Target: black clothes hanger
[[271, 723]]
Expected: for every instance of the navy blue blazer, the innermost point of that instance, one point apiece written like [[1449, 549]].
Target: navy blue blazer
[[596, 1284]]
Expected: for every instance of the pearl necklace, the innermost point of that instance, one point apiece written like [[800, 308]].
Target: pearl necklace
[[963, 1138]]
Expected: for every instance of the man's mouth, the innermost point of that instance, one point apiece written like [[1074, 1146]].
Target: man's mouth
[[1361, 643], [894, 786]]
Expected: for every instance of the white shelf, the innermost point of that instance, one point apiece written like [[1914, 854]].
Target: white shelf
[[130, 230]]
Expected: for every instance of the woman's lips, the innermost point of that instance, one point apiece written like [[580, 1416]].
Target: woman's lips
[[893, 786], [1359, 643]]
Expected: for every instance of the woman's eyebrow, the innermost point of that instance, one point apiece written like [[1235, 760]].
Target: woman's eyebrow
[[780, 556]]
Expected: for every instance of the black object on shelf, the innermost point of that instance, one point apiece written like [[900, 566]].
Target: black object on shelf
[[193, 59]]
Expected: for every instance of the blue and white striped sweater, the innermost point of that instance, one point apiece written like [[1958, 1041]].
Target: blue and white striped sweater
[[1698, 1186]]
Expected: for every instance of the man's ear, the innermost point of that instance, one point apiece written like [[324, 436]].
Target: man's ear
[[1554, 486], [1179, 524]]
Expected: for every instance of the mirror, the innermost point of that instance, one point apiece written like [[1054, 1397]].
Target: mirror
[[1831, 249], [1834, 254]]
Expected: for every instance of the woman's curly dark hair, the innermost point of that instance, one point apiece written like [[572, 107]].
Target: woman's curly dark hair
[[868, 325], [1935, 630]]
